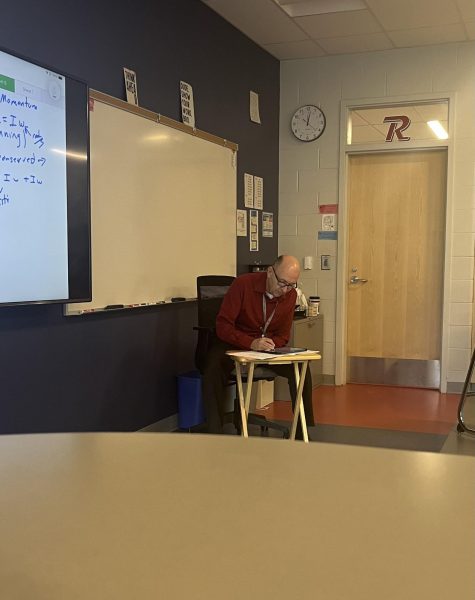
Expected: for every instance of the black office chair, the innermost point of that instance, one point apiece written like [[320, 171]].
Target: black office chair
[[211, 290]]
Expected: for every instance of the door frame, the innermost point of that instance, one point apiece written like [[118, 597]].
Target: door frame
[[343, 205]]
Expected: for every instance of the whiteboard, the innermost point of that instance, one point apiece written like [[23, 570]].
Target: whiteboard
[[163, 208]]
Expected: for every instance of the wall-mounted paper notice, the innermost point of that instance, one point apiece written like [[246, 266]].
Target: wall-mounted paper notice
[[328, 209], [248, 190], [241, 223], [131, 92], [328, 235], [329, 222], [253, 231], [254, 107], [187, 104], [267, 224], [258, 193]]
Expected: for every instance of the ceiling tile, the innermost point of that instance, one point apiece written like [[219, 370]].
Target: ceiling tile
[[365, 134], [467, 8], [434, 112], [263, 21], [376, 116], [357, 120], [302, 8], [291, 50], [410, 23], [339, 24], [428, 35], [470, 30], [356, 43], [408, 14]]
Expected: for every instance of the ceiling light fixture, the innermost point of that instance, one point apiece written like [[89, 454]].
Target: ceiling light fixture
[[319, 7], [438, 130]]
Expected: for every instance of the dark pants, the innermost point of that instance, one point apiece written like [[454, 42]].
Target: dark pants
[[216, 373]]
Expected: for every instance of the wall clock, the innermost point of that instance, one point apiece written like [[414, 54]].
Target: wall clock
[[308, 123]]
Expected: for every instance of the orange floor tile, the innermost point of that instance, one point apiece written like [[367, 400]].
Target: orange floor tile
[[380, 407]]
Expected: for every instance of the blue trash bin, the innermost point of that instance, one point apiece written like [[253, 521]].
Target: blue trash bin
[[190, 401]]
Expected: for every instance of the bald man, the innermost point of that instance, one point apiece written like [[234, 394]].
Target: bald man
[[256, 314]]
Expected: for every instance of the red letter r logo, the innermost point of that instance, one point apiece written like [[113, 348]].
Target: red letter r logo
[[398, 125]]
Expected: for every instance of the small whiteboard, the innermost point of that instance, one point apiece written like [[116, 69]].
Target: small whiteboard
[[163, 206]]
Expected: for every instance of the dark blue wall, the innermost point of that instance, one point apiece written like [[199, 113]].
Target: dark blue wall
[[117, 371]]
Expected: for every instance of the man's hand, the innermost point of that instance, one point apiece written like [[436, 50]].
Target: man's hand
[[262, 343]]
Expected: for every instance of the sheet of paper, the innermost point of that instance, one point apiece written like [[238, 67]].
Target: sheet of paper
[[328, 235], [258, 193], [267, 224], [241, 223], [187, 104], [254, 107], [329, 222], [248, 190], [251, 355], [131, 92], [253, 231]]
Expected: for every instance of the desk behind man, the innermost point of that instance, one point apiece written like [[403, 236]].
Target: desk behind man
[[256, 314]]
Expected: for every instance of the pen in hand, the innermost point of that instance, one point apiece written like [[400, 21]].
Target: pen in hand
[[262, 343]]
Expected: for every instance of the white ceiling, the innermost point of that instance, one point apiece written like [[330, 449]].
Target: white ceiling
[[368, 25]]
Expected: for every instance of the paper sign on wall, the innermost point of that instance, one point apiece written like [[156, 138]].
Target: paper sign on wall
[[254, 107], [248, 190], [328, 209], [241, 223], [258, 193], [329, 222], [254, 231], [131, 92], [328, 235], [267, 224], [187, 104]]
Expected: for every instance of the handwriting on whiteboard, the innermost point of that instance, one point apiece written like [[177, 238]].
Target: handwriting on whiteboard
[[22, 145]]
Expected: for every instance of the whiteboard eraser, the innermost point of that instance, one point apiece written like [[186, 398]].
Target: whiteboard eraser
[[308, 262]]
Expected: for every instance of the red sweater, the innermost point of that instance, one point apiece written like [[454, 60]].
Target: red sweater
[[241, 317]]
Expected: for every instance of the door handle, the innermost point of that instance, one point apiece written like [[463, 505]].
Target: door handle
[[355, 279]]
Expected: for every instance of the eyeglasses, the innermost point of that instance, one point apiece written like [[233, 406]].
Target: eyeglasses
[[282, 283]]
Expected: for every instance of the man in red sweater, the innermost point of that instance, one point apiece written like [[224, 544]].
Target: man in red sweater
[[256, 314]]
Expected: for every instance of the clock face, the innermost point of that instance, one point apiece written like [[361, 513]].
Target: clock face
[[308, 123]]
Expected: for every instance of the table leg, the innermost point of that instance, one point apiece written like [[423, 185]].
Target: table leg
[[250, 377], [299, 410], [242, 408]]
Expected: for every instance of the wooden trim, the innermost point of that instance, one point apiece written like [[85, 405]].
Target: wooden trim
[[162, 119]]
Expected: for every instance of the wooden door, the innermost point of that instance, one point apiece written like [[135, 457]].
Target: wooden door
[[396, 242]]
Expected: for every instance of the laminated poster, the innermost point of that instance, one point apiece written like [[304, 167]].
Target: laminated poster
[[258, 193], [267, 224], [254, 231], [248, 190], [241, 223]]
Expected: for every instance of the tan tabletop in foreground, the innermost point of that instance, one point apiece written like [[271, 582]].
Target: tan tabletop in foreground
[[176, 516], [251, 359]]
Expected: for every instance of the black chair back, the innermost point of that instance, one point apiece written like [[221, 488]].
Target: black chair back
[[210, 291]]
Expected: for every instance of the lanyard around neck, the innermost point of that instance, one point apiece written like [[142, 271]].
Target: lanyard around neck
[[264, 312]]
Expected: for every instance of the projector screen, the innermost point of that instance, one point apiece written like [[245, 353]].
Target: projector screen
[[44, 190]]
